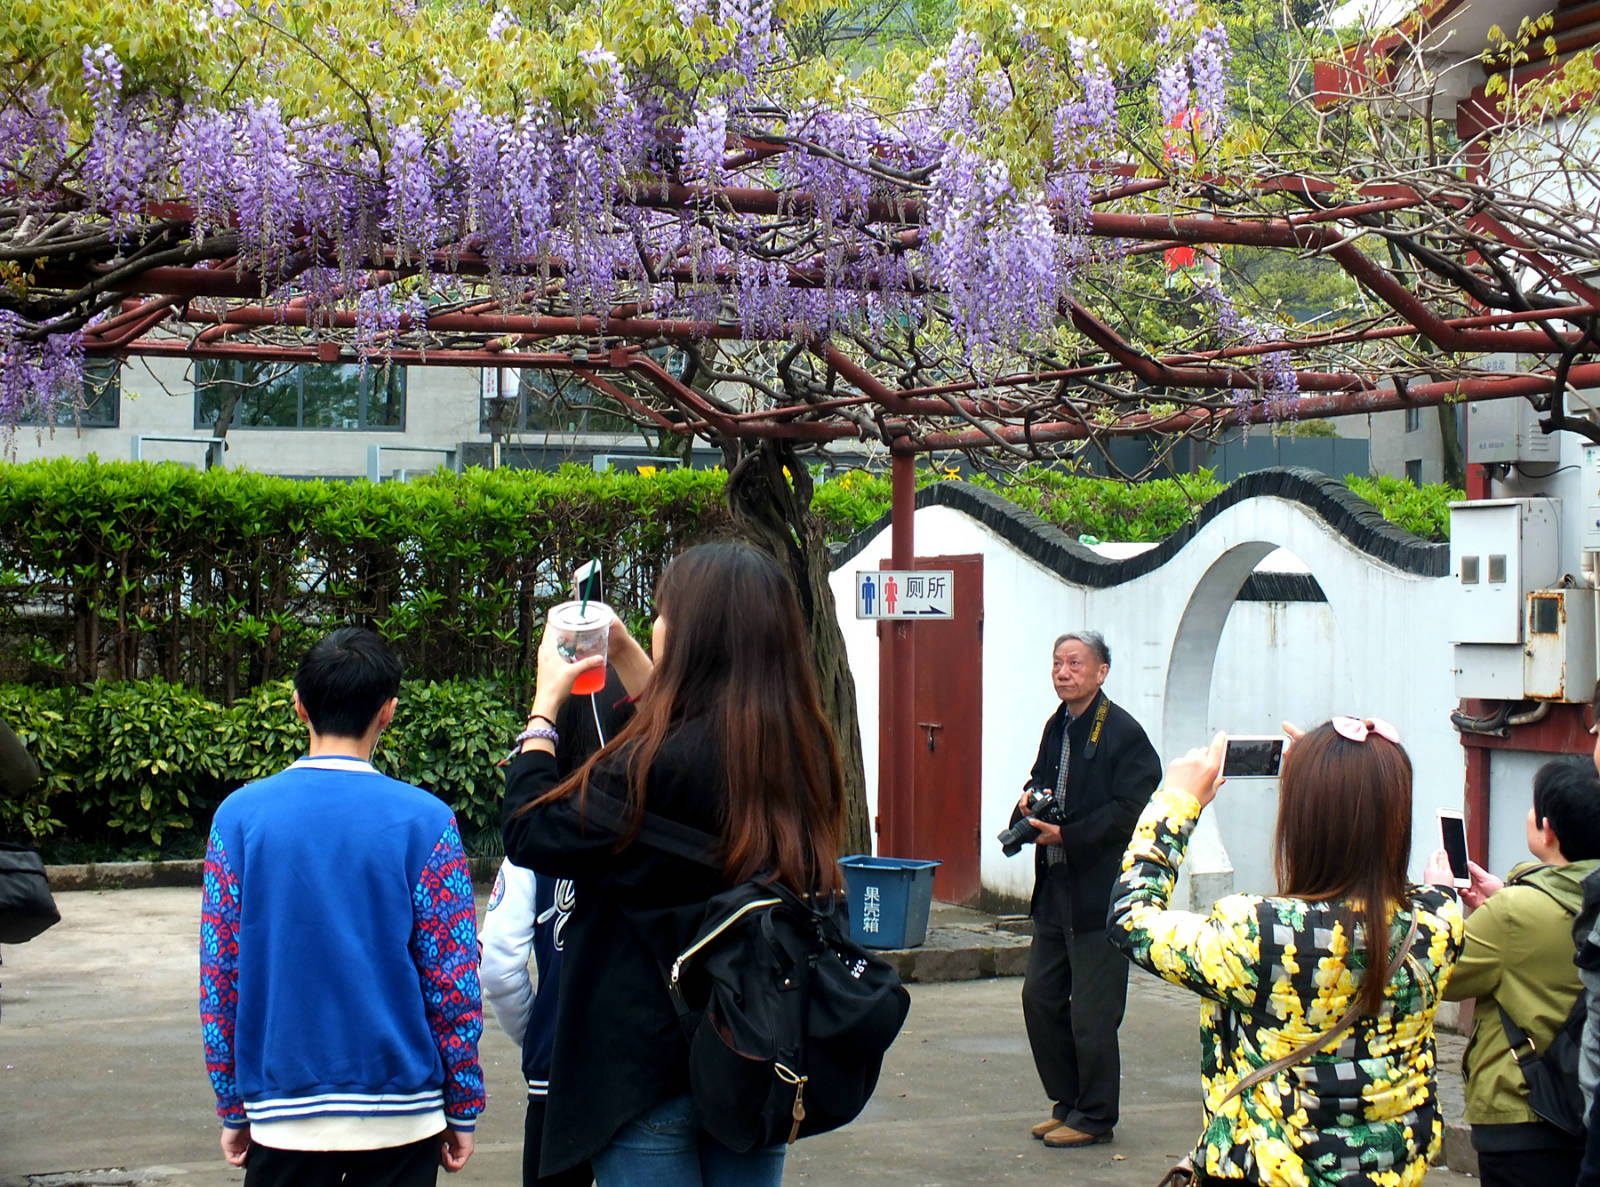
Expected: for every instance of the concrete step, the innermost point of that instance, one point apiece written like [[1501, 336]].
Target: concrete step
[[964, 945]]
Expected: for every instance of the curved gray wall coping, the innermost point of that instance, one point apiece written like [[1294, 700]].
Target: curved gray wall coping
[[1330, 500]]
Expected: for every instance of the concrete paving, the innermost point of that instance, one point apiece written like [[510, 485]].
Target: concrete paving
[[102, 1080]]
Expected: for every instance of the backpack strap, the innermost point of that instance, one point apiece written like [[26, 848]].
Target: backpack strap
[[659, 832]]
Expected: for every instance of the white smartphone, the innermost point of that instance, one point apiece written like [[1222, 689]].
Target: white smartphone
[[586, 582], [1253, 757], [1453, 828]]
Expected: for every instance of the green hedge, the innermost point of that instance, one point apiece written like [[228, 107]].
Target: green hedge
[[220, 580], [155, 611], [1113, 510], [137, 767]]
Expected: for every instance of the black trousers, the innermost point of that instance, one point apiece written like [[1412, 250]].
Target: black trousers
[[532, 1140], [1529, 1168], [1073, 998], [416, 1165]]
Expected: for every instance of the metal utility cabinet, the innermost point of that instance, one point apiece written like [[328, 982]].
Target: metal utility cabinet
[[1501, 550]]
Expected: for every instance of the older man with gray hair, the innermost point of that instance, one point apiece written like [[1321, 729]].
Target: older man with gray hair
[[1095, 770]]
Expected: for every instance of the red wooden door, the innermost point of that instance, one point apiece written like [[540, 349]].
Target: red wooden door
[[947, 702]]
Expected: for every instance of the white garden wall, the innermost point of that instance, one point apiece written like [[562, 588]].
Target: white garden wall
[[1188, 659]]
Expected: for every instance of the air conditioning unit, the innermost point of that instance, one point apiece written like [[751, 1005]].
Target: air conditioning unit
[[1503, 432]]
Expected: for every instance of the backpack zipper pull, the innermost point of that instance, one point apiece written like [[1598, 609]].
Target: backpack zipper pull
[[799, 1110]]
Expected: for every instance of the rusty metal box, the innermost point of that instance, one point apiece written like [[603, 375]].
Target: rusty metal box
[[1559, 656]]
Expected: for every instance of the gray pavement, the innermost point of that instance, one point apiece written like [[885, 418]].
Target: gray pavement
[[101, 1071]]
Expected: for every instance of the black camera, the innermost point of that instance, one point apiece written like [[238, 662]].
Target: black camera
[[1043, 806]]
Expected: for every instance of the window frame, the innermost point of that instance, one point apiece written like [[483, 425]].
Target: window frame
[[69, 415], [298, 372]]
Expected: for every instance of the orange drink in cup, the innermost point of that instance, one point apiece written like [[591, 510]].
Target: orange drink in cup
[[583, 630]]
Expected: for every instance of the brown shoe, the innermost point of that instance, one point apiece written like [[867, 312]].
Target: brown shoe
[[1064, 1137], [1046, 1126]]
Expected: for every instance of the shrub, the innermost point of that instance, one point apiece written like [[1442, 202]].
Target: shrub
[[1421, 510], [220, 580], [138, 767]]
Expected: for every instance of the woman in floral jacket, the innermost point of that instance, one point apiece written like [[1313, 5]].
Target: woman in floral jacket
[[1274, 973]]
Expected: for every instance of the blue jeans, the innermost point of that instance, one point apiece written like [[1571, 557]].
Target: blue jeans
[[665, 1147]]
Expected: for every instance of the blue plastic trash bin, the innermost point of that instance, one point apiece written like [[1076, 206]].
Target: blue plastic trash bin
[[889, 899]]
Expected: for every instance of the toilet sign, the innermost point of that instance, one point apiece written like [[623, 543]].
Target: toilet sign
[[905, 593]]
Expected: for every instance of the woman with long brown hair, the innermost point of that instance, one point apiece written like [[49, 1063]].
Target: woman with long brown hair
[[729, 739], [1317, 1003]]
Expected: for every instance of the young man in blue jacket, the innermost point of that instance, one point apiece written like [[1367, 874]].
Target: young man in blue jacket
[[339, 993]]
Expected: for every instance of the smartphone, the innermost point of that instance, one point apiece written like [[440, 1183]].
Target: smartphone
[[1453, 828], [586, 582], [1253, 757]]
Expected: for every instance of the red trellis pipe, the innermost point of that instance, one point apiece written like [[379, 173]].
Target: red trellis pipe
[[483, 323], [1421, 395], [896, 785]]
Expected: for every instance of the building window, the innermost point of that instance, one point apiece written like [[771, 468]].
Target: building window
[[1413, 419], [548, 402], [300, 395], [100, 408], [1414, 471]]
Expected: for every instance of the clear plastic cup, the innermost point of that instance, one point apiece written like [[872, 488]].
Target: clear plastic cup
[[582, 631]]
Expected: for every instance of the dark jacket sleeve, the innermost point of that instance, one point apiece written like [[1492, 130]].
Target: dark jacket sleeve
[[1134, 775], [1039, 776], [18, 771], [551, 838]]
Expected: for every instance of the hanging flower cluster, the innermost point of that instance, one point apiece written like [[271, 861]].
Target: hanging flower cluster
[[36, 377], [1280, 386], [911, 215]]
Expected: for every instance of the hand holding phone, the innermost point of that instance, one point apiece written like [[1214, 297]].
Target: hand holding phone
[[1258, 757], [1453, 829]]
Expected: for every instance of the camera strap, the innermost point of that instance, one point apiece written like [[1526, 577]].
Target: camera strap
[[1093, 743]]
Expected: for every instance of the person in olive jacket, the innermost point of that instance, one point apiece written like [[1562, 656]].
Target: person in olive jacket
[[1096, 760], [1518, 958]]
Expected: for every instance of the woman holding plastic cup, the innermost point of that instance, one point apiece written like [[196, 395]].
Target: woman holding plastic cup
[[728, 738]]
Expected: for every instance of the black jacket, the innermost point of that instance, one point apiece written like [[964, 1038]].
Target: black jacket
[[1106, 792], [619, 1048]]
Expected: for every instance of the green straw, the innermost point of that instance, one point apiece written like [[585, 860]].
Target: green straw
[[588, 584]]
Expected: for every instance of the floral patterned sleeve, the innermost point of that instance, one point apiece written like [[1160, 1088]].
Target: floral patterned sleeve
[[1215, 955]]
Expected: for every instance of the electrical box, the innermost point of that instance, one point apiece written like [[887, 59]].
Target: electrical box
[[1560, 652], [1502, 432], [1589, 494], [1500, 551], [1492, 671]]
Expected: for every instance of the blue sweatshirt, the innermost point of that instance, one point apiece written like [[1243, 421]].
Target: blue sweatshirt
[[339, 953]]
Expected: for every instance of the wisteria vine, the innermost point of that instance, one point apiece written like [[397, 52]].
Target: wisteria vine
[[554, 204]]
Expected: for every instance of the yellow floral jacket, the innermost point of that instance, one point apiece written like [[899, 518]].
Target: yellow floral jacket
[[1272, 974]]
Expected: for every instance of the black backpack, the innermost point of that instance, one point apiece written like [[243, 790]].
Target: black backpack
[[787, 1020], [1552, 1074]]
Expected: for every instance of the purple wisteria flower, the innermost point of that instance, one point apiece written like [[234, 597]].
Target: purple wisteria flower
[[1209, 62], [36, 375], [705, 141]]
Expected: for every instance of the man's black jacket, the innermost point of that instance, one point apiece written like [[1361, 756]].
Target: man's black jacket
[[1106, 792]]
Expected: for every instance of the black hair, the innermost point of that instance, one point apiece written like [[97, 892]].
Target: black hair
[[345, 679], [1566, 793]]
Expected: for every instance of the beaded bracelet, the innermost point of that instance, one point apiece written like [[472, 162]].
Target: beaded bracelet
[[537, 732]]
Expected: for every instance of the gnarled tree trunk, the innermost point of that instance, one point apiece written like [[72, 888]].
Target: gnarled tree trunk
[[769, 496]]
